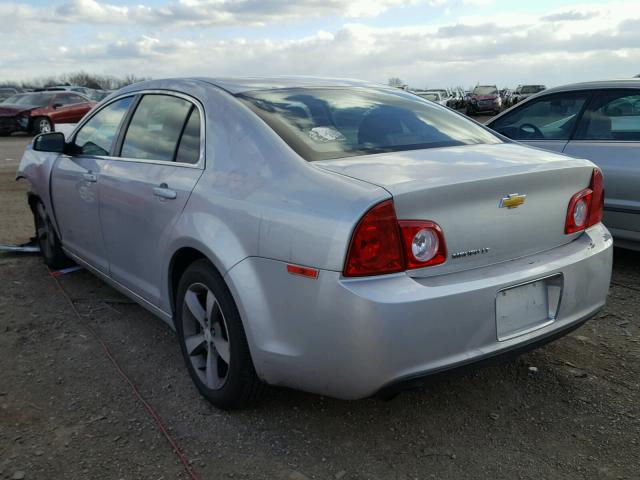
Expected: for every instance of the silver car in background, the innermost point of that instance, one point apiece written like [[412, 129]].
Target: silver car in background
[[333, 236], [599, 121]]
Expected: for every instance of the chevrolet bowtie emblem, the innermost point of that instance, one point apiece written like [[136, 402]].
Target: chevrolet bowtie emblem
[[513, 200]]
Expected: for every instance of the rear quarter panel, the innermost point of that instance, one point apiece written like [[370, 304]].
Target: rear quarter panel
[[256, 197]]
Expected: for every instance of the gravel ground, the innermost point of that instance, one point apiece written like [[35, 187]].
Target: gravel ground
[[65, 412]]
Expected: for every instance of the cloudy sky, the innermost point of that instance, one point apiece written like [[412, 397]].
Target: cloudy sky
[[425, 42]]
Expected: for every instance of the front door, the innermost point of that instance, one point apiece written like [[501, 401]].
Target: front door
[[609, 136], [546, 122], [76, 185], [144, 191]]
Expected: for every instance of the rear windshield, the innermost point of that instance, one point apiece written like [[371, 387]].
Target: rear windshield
[[485, 90], [532, 89], [326, 123]]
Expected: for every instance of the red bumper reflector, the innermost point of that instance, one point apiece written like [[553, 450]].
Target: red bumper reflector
[[304, 271]]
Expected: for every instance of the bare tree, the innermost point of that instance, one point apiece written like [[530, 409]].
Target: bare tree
[[81, 79]]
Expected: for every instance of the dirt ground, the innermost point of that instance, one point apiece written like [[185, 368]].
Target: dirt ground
[[66, 413]]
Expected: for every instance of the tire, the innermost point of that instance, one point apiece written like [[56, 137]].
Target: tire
[[48, 241], [41, 125], [219, 361]]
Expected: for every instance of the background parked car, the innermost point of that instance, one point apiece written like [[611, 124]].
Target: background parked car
[[86, 91], [98, 95], [457, 99], [599, 121], [506, 95], [39, 112], [525, 91], [434, 96], [484, 98]]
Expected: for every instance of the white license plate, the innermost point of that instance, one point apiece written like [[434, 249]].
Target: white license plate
[[522, 309]]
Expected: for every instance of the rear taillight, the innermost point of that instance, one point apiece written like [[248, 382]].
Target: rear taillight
[[586, 206], [597, 199], [381, 244], [375, 246], [423, 243]]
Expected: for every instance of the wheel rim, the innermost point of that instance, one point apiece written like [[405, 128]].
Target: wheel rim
[[45, 126], [45, 233], [205, 336]]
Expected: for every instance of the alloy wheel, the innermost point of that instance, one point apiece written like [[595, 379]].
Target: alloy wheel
[[206, 336]]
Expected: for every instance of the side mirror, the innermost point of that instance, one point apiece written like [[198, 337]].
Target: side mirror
[[49, 142], [56, 106]]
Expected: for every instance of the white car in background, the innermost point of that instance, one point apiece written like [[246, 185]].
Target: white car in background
[[434, 96]]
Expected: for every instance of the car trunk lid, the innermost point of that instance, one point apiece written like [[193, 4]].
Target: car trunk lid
[[461, 189]]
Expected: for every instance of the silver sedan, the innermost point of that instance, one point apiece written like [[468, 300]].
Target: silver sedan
[[334, 236], [599, 121]]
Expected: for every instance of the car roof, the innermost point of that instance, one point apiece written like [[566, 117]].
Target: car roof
[[247, 84], [596, 85], [239, 85]]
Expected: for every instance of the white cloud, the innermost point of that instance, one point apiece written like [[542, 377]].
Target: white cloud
[[569, 44]]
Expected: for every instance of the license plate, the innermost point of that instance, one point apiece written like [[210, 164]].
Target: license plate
[[524, 308]]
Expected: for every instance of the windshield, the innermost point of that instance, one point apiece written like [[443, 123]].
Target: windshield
[[531, 89], [326, 123], [34, 99], [12, 99], [484, 90]]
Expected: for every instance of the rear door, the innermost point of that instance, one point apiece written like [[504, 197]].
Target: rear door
[[76, 184], [609, 136], [546, 122], [145, 190]]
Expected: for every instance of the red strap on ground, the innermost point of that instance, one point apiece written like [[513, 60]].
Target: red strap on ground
[[152, 413]]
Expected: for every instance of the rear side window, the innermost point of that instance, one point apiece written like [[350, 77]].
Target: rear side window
[[98, 134], [156, 127], [612, 116], [68, 99], [189, 147], [548, 118]]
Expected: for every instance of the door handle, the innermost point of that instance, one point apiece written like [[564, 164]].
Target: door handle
[[163, 191], [90, 177]]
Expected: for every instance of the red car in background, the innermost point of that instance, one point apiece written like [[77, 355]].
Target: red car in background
[[39, 112]]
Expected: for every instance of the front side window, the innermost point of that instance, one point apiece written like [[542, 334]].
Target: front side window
[[548, 118], [97, 135], [156, 127], [333, 122], [612, 116], [68, 99]]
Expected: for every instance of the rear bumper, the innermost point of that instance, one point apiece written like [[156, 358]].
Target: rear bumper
[[350, 338], [420, 379]]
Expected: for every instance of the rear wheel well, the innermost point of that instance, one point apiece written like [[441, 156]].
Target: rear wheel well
[[179, 263]]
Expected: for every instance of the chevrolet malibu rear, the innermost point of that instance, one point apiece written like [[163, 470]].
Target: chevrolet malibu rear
[[333, 236], [473, 248]]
